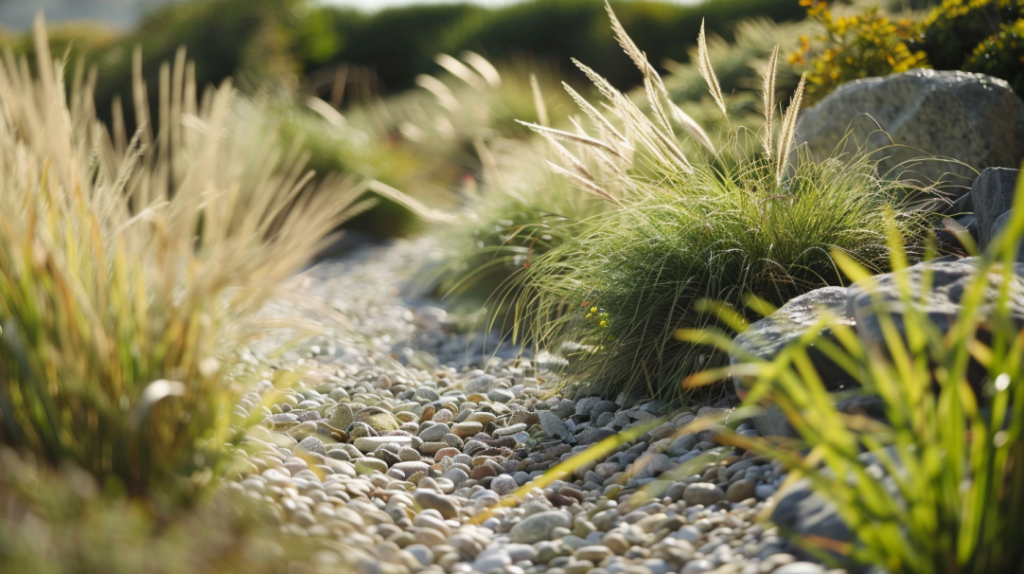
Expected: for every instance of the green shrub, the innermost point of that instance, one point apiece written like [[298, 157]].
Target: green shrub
[[722, 227], [1002, 55], [131, 270], [853, 47], [951, 31], [518, 214]]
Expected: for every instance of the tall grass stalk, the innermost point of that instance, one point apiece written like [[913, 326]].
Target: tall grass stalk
[[692, 221], [131, 268]]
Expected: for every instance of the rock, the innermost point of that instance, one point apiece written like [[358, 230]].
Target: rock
[[492, 559], [973, 118], [481, 384], [504, 484], [553, 426], [804, 513], [992, 194], [372, 443], [766, 338], [466, 429], [428, 394], [500, 395], [537, 527], [704, 493], [341, 416], [434, 433], [800, 568], [948, 281], [594, 554], [740, 491], [615, 542], [311, 445], [997, 228], [682, 445], [423, 554], [376, 418], [436, 501], [592, 435], [367, 465]]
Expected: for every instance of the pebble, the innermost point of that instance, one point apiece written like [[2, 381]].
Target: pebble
[[539, 526], [704, 493], [438, 502], [449, 434]]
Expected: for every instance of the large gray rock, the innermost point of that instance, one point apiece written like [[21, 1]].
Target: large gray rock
[[992, 195], [997, 228], [947, 281], [766, 338], [972, 118]]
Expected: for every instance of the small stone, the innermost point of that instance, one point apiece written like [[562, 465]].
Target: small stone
[[500, 395], [311, 445], [434, 433], [466, 429], [615, 542], [341, 416], [594, 554], [740, 490], [423, 554], [367, 465], [704, 493], [552, 425], [540, 526], [376, 418], [503, 484], [801, 568], [372, 443], [697, 567], [438, 502]]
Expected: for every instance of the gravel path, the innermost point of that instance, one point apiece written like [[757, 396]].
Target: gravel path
[[439, 435]]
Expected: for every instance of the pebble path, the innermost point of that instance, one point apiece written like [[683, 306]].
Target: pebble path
[[405, 461]]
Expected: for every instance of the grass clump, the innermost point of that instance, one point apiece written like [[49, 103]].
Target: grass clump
[[132, 269], [937, 486], [730, 224]]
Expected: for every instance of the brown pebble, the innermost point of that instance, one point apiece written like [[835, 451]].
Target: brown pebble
[[482, 471], [428, 413]]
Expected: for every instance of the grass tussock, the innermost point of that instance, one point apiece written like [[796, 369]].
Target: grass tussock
[[132, 268], [936, 487], [729, 223]]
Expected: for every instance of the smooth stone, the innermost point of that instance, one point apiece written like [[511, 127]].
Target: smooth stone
[[504, 484], [341, 416], [465, 430], [423, 554], [377, 418], [539, 526], [438, 502], [800, 568], [500, 395], [704, 493], [740, 490], [594, 554], [367, 465], [553, 426], [372, 443], [311, 445], [434, 433]]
